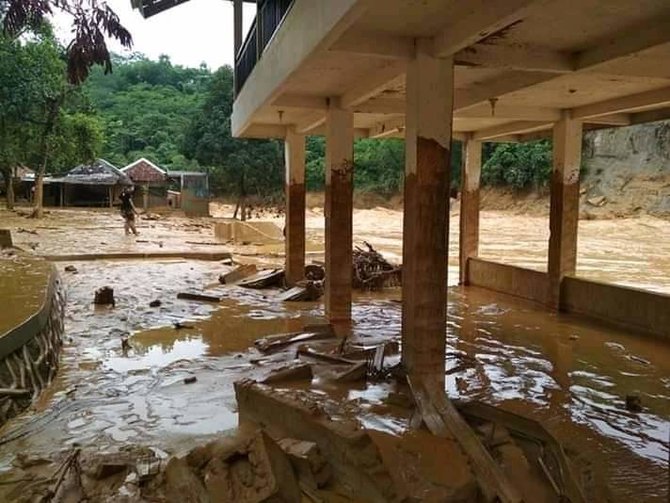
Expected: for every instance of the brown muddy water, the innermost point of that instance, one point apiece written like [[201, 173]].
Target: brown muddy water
[[570, 375]]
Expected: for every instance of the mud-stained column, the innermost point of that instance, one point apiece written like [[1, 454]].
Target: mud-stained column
[[426, 224], [469, 217], [564, 208], [339, 195], [294, 155]]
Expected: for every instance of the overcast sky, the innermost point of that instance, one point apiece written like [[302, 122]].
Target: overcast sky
[[191, 33]]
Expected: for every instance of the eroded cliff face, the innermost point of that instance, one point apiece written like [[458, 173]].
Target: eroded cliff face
[[630, 168]]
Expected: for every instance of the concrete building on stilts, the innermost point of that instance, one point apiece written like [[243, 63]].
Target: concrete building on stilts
[[439, 71]]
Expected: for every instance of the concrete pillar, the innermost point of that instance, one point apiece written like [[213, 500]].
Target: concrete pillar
[[339, 211], [564, 206], [237, 26], [294, 229], [469, 217], [429, 107]]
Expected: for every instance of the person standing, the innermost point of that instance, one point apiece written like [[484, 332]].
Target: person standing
[[128, 211]]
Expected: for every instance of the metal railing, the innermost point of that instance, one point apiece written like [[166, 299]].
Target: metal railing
[[269, 16]]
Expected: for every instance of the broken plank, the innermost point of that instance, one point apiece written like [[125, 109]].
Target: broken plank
[[238, 274], [264, 279], [442, 420], [199, 296], [300, 372], [306, 293], [278, 342], [356, 372], [337, 360]]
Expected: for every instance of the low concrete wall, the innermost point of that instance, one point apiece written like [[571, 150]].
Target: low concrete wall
[[626, 307], [252, 232], [29, 352], [525, 283]]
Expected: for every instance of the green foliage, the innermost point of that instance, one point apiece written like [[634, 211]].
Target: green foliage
[[147, 107], [518, 165], [238, 166]]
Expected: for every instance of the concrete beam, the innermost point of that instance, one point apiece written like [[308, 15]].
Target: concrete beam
[[265, 131], [660, 114], [430, 86], [381, 105], [294, 229], [619, 119], [373, 83], [301, 101], [481, 19], [564, 205], [633, 41], [388, 128], [658, 97], [372, 43], [515, 57], [511, 128], [510, 112], [507, 83]]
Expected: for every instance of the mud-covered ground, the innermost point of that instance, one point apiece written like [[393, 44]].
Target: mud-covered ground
[[570, 375]]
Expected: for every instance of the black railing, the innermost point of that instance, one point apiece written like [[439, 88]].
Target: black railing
[[269, 16]]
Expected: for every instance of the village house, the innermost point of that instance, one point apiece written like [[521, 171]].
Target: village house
[[96, 184], [151, 183]]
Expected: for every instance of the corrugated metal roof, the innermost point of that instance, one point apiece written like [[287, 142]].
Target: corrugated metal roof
[[100, 172]]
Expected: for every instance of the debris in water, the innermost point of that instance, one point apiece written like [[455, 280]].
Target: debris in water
[[190, 379], [202, 297], [634, 403], [372, 271], [104, 296], [71, 268], [264, 279], [178, 325], [155, 303], [305, 291], [237, 274], [300, 372], [125, 345]]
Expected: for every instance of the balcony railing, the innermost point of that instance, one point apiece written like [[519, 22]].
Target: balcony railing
[[269, 16]]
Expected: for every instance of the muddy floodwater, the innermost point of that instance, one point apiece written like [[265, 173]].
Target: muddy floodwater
[[571, 375]]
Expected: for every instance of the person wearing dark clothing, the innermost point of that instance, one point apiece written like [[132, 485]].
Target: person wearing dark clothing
[[128, 211]]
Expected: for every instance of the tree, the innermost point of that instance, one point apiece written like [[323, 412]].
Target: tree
[[92, 20], [240, 166], [518, 165]]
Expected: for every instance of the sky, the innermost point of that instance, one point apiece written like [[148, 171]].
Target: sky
[[191, 33]]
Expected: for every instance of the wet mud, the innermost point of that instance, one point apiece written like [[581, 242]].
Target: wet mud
[[570, 375]]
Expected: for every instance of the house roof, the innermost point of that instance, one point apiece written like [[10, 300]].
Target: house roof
[[100, 172], [143, 170]]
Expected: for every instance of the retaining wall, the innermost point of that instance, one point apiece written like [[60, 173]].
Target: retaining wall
[[30, 350]]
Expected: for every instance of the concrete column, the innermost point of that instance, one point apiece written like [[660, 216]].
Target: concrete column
[[469, 218], [564, 206], [237, 26], [339, 210], [294, 229], [429, 108]]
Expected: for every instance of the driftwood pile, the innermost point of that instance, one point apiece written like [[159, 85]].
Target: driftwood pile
[[371, 271]]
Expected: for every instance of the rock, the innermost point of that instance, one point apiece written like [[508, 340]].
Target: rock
[[633, 403], [71, 268], [104, 296], [597, 201], [155, 303], [308, 462], [255, 470], [182, 485], [190, 379]]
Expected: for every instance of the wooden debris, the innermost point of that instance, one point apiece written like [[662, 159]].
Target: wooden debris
[[356, 372], [14, 392], [237, 274], [307, 292], [155, 303], [443, 420], [320, 328], [104, 296], [371, 271], [305, 350], [274, 343], [300, 372], [190, 379], [199, 296], [264, 279], [315, 272]]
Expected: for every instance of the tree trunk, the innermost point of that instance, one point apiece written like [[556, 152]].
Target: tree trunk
[[243, 196], [237, 207], [10, 191], [54, 107]]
